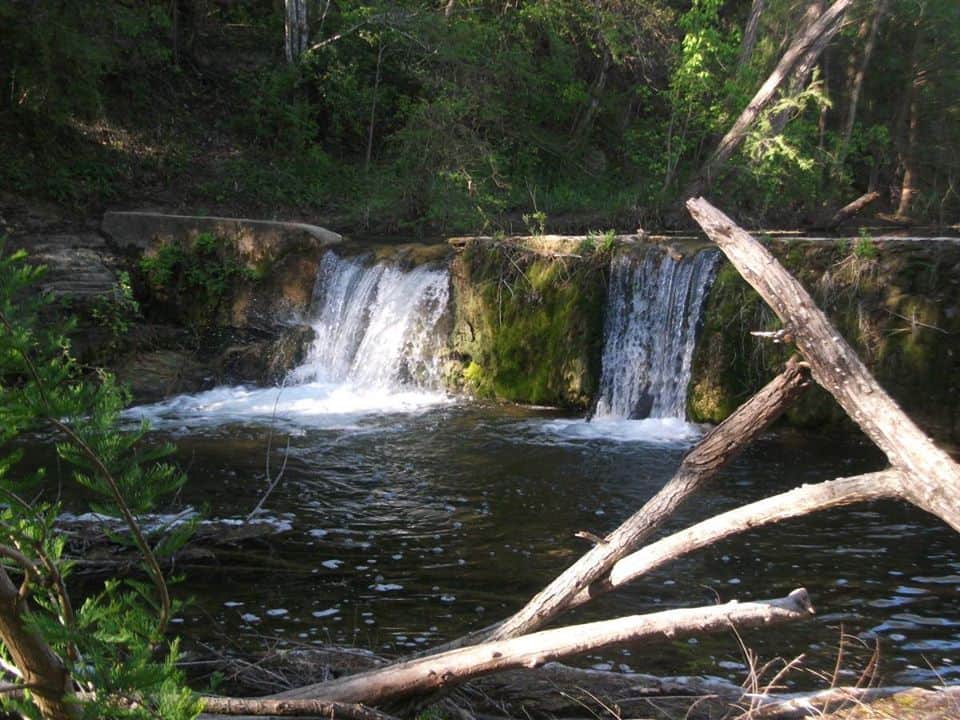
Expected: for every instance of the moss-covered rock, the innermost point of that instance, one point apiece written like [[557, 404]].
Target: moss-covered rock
[[896, 301], [528, 324]]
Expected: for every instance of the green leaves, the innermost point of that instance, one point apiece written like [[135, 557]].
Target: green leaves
[[114, 644]]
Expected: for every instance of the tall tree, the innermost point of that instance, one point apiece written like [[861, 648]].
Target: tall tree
[[805, 49], [295, 29]]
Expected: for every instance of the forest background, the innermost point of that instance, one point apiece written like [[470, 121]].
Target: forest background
[[461, 116]]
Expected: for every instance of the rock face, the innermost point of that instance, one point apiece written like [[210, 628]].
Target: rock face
[[157, 374], [897, 301], [280, 257], [177, 304], [80, 267], [528, 321]]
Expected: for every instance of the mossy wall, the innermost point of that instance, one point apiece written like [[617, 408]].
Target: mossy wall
[[528, 323], [896, 301]]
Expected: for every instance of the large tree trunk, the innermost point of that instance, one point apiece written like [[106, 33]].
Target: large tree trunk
[[806, 49], [933, 477]]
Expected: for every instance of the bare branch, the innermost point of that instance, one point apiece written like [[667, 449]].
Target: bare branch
[[452, 668]]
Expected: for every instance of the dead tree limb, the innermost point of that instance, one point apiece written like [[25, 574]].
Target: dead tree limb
[[794, 503], [807, 47], [716, 448], [452, 668], [933, 481], [849, 210], [258, 707]]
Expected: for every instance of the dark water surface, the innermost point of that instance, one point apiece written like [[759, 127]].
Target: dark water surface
[[412, 528]]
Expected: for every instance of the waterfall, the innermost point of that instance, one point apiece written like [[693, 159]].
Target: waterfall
[[653, 310], [376, 325], [379, 337]]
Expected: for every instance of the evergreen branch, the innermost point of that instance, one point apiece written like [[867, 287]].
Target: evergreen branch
[[153, 566]]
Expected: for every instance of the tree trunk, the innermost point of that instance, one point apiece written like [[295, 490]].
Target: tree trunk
[[452, 668], [856, 85], [750, 33], [806, 48], [714, 451], [42, 669], [933, 477], [373, 108], [295, 29], [290, 708], [910, 141]]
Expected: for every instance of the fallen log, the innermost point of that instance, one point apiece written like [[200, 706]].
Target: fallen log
[[454, 667], [933, 481], [794, 503], [917, 702], [848, 211], [290, 708], [714, 450]]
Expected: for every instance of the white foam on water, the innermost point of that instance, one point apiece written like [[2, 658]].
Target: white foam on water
[[325, 405], [659, 431]]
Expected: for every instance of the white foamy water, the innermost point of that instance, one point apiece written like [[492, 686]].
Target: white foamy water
[[376, 351], [328, 405], [376, 326], [666, 431]]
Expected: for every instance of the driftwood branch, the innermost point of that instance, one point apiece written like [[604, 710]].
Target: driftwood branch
[[933, 477], [713, 451], [795, 503], [290, 708], [531, 651]]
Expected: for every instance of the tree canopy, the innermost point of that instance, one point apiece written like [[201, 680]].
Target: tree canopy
[[464, 114]]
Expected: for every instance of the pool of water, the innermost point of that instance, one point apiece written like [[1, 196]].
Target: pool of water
[[421, 520]]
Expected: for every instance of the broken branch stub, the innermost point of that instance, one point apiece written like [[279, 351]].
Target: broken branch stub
[[933, 478]]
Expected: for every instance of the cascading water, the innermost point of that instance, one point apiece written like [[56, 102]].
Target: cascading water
[[653, 309], [377, 348], [376, 326]]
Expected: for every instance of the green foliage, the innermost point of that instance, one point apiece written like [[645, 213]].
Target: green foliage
[[116, 313], [784, 164], [404, 117], [865, 248], [203, 269], [114, 642], [536, 223], [59, 55]]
